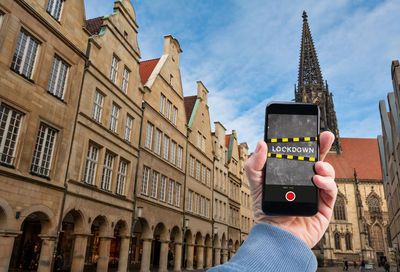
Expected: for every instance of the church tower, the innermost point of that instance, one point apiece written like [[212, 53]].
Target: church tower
[[311, 87]]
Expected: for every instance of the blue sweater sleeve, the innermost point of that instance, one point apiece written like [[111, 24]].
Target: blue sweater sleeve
[[269, 248]]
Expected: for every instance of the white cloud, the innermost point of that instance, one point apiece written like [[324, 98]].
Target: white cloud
[[246, 53]]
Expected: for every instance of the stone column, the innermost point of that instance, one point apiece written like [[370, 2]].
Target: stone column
[[209, 256], [189, 259], [178, 257], [217, 256], [46, 252], [123, 254], [6, 244], [224, 255], [145, 263], [200, 256], [104, 253], [78, 256], [163, 267]]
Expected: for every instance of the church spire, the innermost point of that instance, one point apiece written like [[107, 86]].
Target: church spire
[[309, 71], [311, 87]]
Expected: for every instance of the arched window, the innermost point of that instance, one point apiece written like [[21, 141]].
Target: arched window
[[339, 210], [348, 241], [374, 205], [377, 238], [337, 241]]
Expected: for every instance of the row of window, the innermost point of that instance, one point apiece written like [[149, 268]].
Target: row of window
[[220, 179], [114, 73], [198, 204], [338, 242], [234, 190], [168, 110], [108, 169], [203, 173], [220, 210], [245, 200], [245, 223], [374, 207], [201, 141], [171, 151], [234, 216], [10, 125], [24, 59], [98, 104], [159, 189]]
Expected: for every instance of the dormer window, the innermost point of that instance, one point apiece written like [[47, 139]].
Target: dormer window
[[54, 7]]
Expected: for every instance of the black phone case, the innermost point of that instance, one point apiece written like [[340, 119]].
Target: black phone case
[[292, 152]]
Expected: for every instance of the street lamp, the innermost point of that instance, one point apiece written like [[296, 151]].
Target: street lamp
[[186, 223]]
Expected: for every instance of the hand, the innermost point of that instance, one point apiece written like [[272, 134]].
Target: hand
[[308, 229]]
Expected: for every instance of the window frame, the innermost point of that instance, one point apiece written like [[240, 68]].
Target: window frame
[[92, 163], [12, 129], [40, 154], [107, 172], [115, 109], [97, 108], [24, 60], [149, 136], [114, 68], [128, 128], [121, 177], [166, 147], [57, 88], [163, 187], [125, 80], [50, 11], [157, 141], [154, 184], [145, 181]]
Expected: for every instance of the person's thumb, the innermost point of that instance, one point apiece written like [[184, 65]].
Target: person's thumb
[[257, 159]]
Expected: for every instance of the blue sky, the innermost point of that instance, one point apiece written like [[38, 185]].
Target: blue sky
[[247, 54]]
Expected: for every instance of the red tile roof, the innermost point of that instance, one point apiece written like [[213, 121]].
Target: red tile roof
[[189, 105], [227, 140], [94, 25], [361, 154], [146, 68]]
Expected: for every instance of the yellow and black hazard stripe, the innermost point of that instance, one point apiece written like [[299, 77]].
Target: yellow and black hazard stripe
[[288, 140], [291, 157]]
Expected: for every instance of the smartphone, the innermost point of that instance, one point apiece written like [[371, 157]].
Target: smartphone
[[292, 136]]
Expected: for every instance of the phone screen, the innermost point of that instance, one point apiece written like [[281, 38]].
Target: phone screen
[[292, 140]]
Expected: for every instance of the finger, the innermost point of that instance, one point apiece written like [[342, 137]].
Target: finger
[[324, 169], [326, 139], [327, 195], [258, 158], [327, 184]]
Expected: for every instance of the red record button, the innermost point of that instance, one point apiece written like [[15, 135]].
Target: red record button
[[290, 196]]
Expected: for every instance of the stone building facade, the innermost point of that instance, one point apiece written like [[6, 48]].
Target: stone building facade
[[42, 62], [106, 164], [358, 228], [389, 146], [220, 195]]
